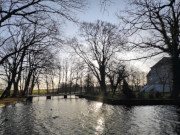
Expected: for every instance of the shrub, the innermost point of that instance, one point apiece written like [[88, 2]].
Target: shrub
[[158, 94], [127, 91], [140, 95], [151, 94]]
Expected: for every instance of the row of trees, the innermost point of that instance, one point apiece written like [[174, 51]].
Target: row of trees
[[102, 41], [35, 58], [160, 22], [101, 44], [29, 34]]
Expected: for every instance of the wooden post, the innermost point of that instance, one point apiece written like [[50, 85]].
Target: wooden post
[[48, 97]]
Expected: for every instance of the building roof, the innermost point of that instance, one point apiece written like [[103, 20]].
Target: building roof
[[163, 61]]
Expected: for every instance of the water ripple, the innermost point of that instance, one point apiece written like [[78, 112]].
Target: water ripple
[[80, 117]]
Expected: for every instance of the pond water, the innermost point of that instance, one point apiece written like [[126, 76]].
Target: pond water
[[75, 116]]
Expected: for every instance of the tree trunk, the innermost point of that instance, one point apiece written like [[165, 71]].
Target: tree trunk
[[114, 90], [103, 86], [15, 89], [19, 74], [103, 82], [38, 87], [6, 93], [81, 86], [176, 77], [52, 85], [164, 88], [27, 83], [32, 85], [75, 86]]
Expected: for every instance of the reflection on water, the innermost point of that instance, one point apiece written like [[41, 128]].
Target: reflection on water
[[73, 116], [98, 106], [100, 125]]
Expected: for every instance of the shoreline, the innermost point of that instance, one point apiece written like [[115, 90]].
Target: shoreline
[[7, 101], [137, 102], [131, 102]]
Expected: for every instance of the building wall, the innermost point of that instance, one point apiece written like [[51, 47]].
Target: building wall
[[159, 75]]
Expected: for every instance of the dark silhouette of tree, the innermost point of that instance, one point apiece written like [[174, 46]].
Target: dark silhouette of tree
[[15, 13], [102, 41], [127, 91], [34, 56], [11, 11], [116, 72], [136, 78], [79, 70], [16, 61], [161, 19], [59, 71]]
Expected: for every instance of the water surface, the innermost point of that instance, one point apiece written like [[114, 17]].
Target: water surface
[[74, 116]]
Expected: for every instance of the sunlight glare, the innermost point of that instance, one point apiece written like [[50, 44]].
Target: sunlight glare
[[100, 125], [98, 105]]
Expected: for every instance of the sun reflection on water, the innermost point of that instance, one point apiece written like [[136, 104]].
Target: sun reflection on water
[[97, 106], [100, 119], [100, 125]]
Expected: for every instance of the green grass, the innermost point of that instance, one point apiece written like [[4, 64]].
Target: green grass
[[35, 92], [1, 92], [10, 100]]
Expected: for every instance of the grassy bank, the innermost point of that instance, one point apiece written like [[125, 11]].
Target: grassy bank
[[35, 92], [145, 99], [140, 96], [10, 100]]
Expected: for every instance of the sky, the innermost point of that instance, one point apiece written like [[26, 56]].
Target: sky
[[94, 11]]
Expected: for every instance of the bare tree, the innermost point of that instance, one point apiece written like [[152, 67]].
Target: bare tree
[[11, 11], [35, 43], [59, 70], [136, 78], [102, 41], [116, 73], [162, 20], [16, 13], [16, 61], [89, 84]]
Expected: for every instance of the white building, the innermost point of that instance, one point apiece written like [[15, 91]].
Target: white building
[[159, 77]]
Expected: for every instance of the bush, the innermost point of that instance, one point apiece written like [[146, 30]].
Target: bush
[[140, 95], [151, 94], [127, 91], [158, 94]]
